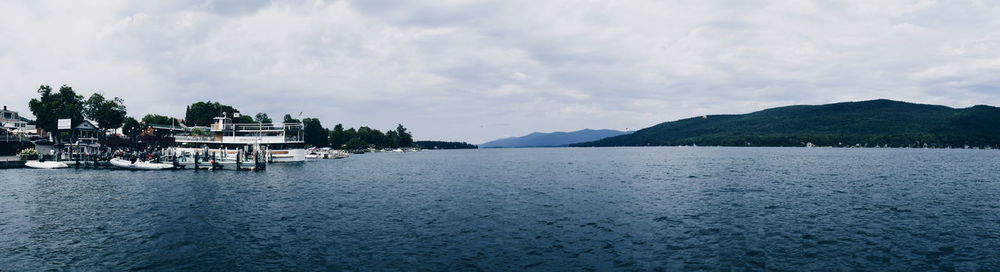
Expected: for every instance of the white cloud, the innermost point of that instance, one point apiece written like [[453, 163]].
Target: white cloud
[[453, 70]]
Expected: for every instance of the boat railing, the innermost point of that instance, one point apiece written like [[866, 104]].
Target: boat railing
[[193, 138]]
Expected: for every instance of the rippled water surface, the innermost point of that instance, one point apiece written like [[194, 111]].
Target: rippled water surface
[[520, 209]]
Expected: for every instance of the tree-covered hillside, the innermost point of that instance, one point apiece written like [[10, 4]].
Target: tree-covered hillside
[[553, 139], [444, 145], [867, 123]]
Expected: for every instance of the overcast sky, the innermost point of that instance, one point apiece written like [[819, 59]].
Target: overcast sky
[[479, 70]]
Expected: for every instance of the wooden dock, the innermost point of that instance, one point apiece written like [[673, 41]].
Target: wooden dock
[[7, 162]]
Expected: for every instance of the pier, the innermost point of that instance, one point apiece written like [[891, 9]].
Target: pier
[[7, 162]]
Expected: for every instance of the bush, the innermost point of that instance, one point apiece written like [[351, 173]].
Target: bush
[[28, 154]]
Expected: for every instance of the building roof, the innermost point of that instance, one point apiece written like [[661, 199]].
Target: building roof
[[85, 125], [174, 128]]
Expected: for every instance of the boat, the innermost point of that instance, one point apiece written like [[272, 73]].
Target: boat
[[140, 165], [45, 164], [313, 153], [339, 154], [224, 139]]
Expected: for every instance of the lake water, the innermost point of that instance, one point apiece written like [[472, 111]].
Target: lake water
[[547, 209]]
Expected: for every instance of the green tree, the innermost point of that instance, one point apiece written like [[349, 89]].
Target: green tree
[[355, 143], [350, 133], [392, 138], [288, 119], [315, 134], [50, 107], [202, 113], [243, 119], [198, 132], [131, 126], [109, 113], [405, 139], [338, 137], [156, 119], [263, 118]]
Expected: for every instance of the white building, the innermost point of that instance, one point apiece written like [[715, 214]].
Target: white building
[[12, 121]]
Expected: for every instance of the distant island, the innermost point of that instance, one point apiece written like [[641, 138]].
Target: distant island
[[883, 123], [554, 139], [444, 145]]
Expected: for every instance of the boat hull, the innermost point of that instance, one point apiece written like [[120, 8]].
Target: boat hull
[[124, 164], [45, 165], [288, 155]]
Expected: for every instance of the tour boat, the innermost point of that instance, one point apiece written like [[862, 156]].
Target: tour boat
[[45, 164], [140, 165], [225, 139]]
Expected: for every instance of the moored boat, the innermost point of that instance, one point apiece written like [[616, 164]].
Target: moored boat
[[339, 154], [280, 143], [139, 165], [45, 164]]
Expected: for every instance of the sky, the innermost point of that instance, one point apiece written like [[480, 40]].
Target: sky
[[479, 70]]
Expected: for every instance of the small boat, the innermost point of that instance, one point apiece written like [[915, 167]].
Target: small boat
[[125, 164], [339, 154], [45, 164]]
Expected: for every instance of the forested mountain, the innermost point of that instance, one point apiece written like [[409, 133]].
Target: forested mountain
[[539, 139], [868, 123], [444, 145]]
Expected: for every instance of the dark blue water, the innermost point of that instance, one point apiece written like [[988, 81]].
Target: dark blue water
[[520, 209]]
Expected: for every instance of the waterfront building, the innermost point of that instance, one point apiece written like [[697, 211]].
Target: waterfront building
[[12, 121]]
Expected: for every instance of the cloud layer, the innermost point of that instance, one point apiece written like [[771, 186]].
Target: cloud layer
[[479, 70]]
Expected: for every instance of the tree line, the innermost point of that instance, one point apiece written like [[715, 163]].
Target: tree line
[[111, 113], [360, 138]]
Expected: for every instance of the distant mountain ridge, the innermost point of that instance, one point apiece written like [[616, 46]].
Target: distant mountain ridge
[[867, 123], [554, 139]]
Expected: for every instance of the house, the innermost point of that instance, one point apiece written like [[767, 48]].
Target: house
[[12, 121], [85, 132]]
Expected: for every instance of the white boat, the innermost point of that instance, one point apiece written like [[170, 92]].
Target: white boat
[[138, 165], [280, 142], [45, 164], [339, 154]]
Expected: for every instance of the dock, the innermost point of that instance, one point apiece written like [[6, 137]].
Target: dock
[[11, 162], [8, 162]]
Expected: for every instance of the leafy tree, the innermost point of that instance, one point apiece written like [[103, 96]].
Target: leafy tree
[[355, 143], [156, 119], [377, 138], [109, 114], [263, 118], [392, 138], [338, 137], [288, 119], [243, 119], [405, 139], [350, 133], [202, 113], [51, 107], [198, 132], [131, 126], [315, 134]]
